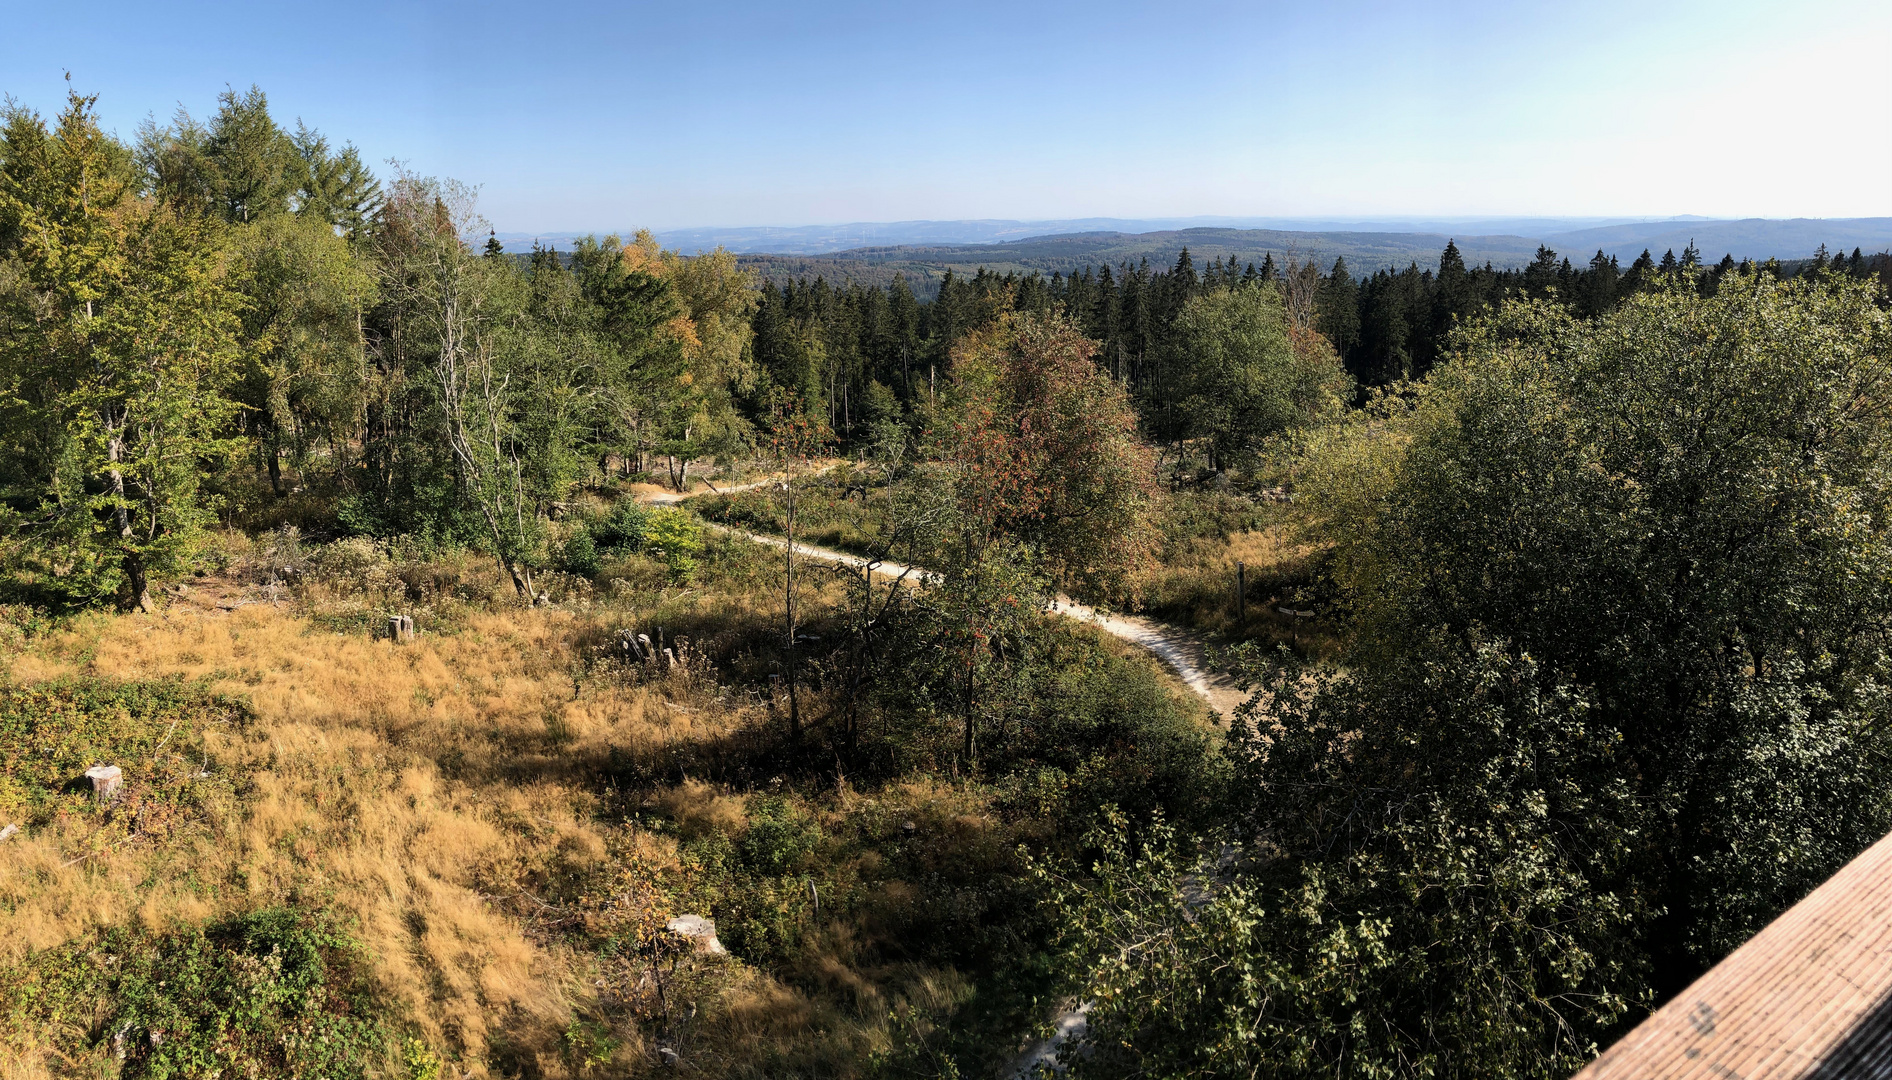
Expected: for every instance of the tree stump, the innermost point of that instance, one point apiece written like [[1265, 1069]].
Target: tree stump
[[106, 780], [400, 628]]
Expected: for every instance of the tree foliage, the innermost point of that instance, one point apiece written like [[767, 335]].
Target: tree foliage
[[119, 342], [1251, 375], [1618, 700]]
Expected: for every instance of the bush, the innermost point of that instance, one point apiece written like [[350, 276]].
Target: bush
[[621, 529], [777, 839], [271, 993], [581, 554], [676, 537]]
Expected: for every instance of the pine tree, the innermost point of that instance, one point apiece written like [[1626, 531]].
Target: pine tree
[[1339, 308], [1599, 285], [1668, 262], [494, 249], [1452, 299], [1540, 277], [1183, 274], [335, 187], [1639, 274]]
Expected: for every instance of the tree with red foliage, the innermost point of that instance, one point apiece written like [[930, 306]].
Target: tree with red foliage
[[1038, 457], [1044, 448]]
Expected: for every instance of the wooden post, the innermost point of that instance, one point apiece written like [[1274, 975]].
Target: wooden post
[[1241, 593]]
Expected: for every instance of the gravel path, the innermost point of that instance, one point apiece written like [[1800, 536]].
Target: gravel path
[[1183, 651]]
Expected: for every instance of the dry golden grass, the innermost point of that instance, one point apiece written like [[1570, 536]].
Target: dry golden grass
[[429, 793], [347, 800], [457, 800], [1197, 589]]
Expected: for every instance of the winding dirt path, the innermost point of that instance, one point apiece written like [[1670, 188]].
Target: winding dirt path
[[1182, 651]]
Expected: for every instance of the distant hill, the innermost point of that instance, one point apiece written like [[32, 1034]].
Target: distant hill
[[1749, 238], [874, 253], [925, 265], [829, 239]]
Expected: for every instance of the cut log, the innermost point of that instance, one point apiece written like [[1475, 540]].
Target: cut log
[[106, 780]]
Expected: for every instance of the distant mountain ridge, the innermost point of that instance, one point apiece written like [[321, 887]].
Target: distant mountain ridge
[[1365, 252], [1756, 237], [923, 251]]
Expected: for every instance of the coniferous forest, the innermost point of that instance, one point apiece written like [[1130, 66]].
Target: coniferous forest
[[424, 659]]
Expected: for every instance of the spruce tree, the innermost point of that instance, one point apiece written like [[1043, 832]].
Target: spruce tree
[[1183, 274], [1451, 300], [1599, 285], [117, 349], [1338, 306], [1540, 277]]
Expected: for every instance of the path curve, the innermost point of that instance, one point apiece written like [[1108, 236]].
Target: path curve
[[1184, 653]]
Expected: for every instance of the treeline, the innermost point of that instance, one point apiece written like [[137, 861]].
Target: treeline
[[835, 343], [226, 293]]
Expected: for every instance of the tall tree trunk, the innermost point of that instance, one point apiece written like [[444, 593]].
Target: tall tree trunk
[[137, 588], [272, 460]]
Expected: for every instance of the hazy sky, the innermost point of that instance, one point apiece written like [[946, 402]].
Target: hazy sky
[[595, 116]]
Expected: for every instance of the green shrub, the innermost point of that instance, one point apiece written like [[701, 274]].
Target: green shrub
[[623, 528], [676, 537], [580, 555], [272, 993], [778, 837]]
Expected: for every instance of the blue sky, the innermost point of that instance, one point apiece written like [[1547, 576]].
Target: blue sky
[[597, 116]]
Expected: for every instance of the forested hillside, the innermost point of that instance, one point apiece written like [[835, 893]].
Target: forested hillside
[[924, 266], [419, 660]]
